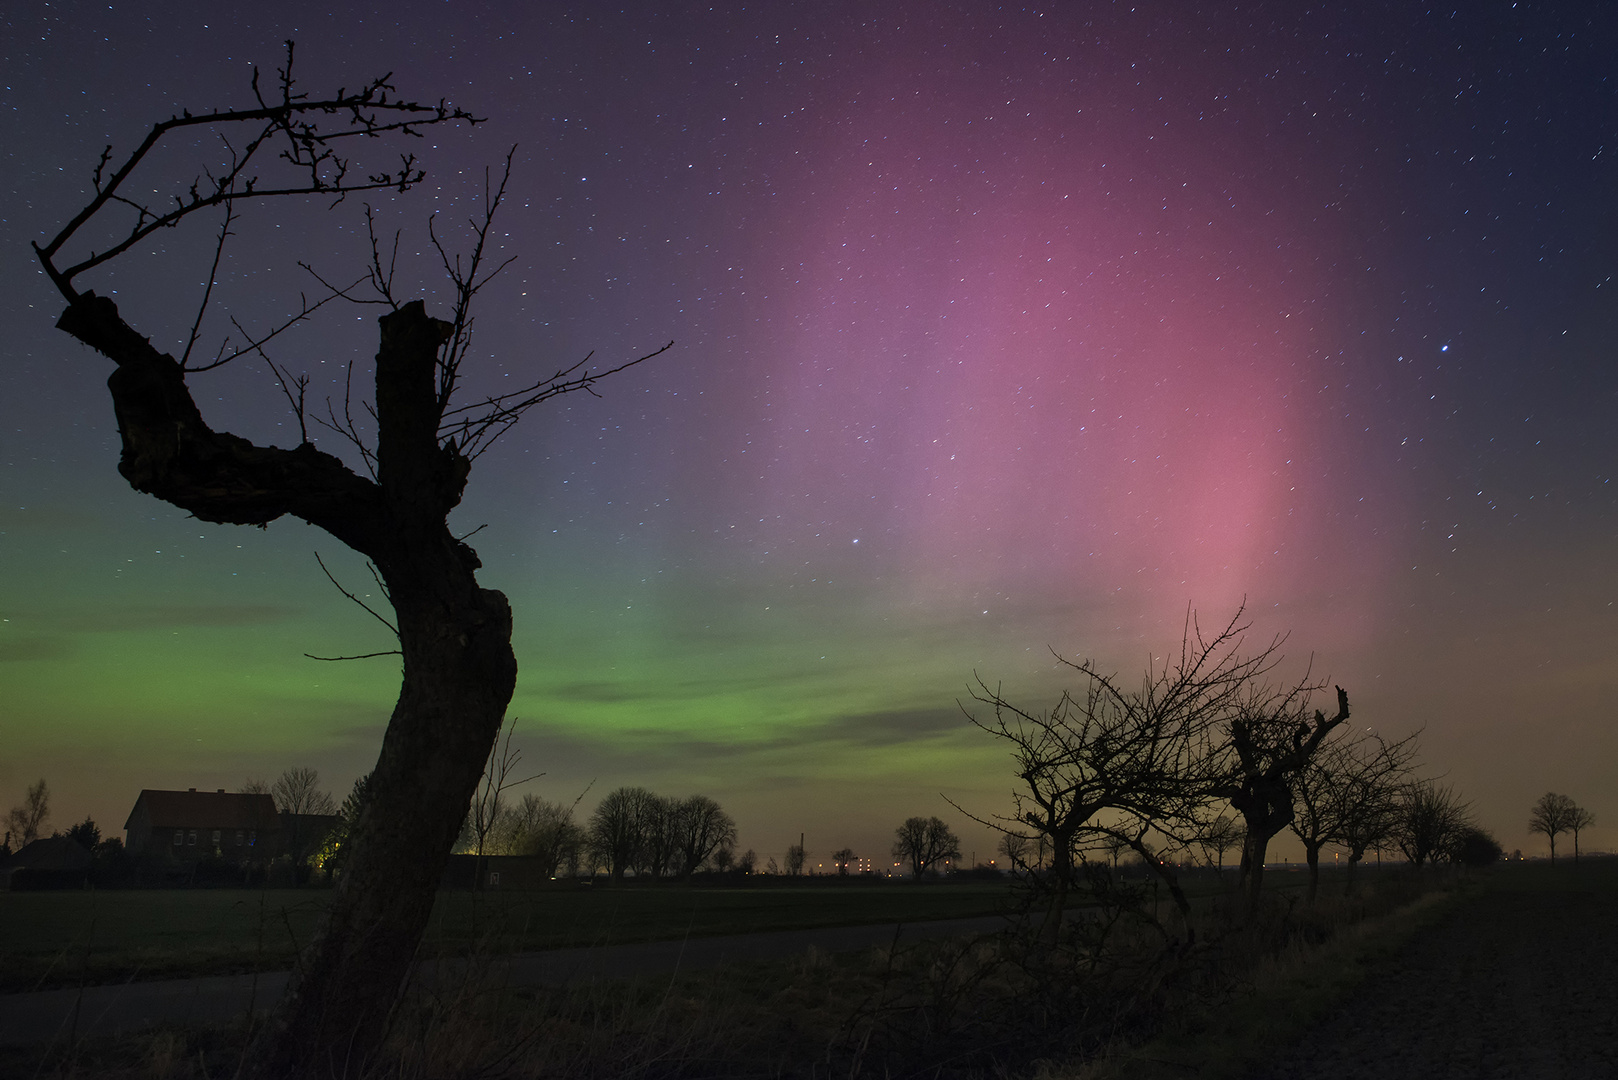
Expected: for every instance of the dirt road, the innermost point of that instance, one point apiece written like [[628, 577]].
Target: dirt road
[[1520, 983]]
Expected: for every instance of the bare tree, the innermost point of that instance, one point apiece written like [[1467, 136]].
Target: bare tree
[[842, 857], [298, 797], [1431, 821], [617, 830], [661, 838], [1579, 820], [1270, 742], [1118, 766], [489, 810], [25, 820], [1220, 835], [545, 830], [1552, 815], [1015, 846], [454, 637], [1346, 793], [297, 791], [704, 830], [923, 842], [795, 858]]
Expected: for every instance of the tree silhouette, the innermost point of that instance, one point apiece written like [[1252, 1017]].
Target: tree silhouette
[[923, 843], [1430, 822], [703, 830], [1552, 815], [454, 636], [1577, 821], [25, 820], [1270, 742], [1221, 834], [617, 830], [1345, 795], [1144, 767]]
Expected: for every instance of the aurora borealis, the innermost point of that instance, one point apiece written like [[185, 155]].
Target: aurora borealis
[[998, 330]]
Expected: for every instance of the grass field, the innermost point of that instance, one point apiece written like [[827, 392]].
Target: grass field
[[971, 1008], [53, 939]]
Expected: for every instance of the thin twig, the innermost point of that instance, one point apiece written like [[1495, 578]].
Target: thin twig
[[354, 598]]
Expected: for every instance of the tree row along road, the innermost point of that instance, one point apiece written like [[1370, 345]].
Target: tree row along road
[[1520, 982]]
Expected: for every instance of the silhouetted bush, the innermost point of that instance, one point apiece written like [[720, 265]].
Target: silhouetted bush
[[1475, 847]]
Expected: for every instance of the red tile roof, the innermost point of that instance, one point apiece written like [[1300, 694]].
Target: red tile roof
[[205, 809]]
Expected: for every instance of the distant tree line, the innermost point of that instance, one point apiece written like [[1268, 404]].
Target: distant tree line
[[634, 831]]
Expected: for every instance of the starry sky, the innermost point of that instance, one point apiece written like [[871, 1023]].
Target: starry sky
[[999, 330]]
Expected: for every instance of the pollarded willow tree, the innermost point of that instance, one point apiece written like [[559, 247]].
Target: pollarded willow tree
[[454, 636]]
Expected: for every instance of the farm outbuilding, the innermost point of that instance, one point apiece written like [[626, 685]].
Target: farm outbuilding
[[52, 862]]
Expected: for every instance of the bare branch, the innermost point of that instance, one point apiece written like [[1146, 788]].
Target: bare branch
[[369, 112], [207, 292], [475, 434], [361, 656], [354, 598]]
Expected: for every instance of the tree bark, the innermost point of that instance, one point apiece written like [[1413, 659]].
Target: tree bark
[[1311, 855], [455, 637], [1260, 786]]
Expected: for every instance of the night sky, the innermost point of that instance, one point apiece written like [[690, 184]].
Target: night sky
[[999, 331]]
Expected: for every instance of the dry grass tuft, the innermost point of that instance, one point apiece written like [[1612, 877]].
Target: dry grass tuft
[[1121, 996]]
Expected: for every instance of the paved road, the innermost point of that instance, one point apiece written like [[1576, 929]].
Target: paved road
[[1519, 984], [32, 1019]]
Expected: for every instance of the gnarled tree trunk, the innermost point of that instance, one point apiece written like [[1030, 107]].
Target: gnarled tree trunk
[[455, 637], [1259, 786]]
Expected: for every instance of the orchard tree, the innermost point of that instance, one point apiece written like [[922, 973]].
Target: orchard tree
[[1144, 766], [1270, 743], [454, 636], [1346, 795]]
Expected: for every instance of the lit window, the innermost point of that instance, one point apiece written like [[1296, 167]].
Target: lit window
[[179, 837]]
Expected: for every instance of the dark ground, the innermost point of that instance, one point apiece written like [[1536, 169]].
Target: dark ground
[[1520, 982]]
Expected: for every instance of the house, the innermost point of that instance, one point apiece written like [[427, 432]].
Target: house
[[191, 825], [52, 862]]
